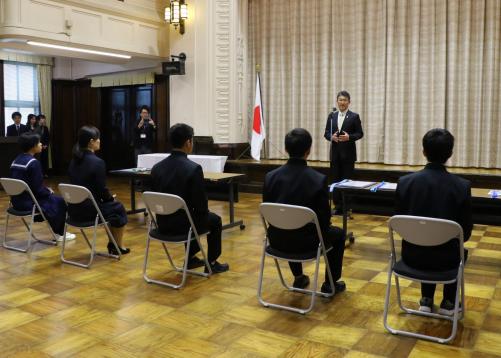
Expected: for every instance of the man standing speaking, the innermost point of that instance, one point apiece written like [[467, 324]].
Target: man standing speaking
[[342, 129]]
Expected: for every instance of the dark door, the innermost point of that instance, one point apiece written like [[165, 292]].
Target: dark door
[[120, 111]]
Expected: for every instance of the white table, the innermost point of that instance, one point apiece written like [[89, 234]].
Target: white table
[[209, 163]]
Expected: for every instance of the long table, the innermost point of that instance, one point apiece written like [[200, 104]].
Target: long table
[[480, 198], [209, 163], [134, 173]]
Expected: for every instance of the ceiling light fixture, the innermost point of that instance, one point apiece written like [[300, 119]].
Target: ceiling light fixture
[[78, 49]]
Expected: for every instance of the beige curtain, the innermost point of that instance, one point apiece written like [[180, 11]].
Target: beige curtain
[[44, 76], [408, 65]]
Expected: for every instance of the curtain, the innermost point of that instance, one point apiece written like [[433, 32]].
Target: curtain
[[44, 76], [21, 57], [409, 66]]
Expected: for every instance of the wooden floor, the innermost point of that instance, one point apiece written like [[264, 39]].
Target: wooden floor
[[48, 309]]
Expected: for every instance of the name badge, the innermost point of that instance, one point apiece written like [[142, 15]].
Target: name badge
[[143, 135]]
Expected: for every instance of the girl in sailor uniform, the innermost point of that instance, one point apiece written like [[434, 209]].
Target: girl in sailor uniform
[[27, 168]]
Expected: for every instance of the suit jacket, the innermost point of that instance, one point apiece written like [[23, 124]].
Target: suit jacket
[[345, 151], [434, 192], [12, 131], [180, 176], [89, 172], [147, 131], [297, 184], [44, 135]]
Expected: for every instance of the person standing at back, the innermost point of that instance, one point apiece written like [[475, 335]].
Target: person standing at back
[[144, 131], [45, 139], [16, 129], [180, 176], [434, 192]]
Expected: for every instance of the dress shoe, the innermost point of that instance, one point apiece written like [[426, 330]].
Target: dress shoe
[[113, 251], [426, 304], [217, 267], [194, 262], [339, 286], [447, 308], [301, 281]]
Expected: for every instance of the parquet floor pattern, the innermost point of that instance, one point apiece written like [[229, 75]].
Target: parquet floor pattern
[[48, 309]]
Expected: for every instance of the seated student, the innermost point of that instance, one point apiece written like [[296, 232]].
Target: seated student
[[180, 176], [16, 129], [88, 170], [296, 184], [25, 167], [434, 192]]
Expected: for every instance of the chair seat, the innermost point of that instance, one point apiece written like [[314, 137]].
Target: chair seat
[[16, 212], [401, 268], [82, 224], [310, 255], [156, 234]]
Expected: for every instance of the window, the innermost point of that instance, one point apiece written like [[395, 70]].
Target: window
[[20, 90]]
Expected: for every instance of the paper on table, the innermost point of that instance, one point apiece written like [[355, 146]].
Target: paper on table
[[388, 186], [356, 184], [494, 194]]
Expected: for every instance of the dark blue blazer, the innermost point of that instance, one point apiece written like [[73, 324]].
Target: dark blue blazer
[[345, 151], [436, 193], [180, 176], [25, 167], [12, 130], [297, 184]]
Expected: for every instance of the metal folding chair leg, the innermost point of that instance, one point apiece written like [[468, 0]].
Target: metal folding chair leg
[[454, 319], [183, 270], [313, 292]]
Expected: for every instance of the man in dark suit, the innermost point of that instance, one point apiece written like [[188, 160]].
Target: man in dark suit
[[296, 184], [16, 129], [434, 192], [180, 176], [144, 131], [343, 129]]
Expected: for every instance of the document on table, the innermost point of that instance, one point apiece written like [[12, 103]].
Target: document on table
[[357, 184], [387, 186], [494, 194]]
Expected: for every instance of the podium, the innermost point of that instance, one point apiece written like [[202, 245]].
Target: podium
[[9, 149]]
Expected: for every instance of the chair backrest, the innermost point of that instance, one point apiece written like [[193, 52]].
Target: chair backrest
[[14, 186], [166, 204], [287, 217], [74, 194], [425, 231]]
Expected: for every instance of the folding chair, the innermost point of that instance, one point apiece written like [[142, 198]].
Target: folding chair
[[15, 187], [290, 217], [424, 231], [74, 194], [167, 204]]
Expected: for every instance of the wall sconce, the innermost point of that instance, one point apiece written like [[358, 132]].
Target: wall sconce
[[176, 13]]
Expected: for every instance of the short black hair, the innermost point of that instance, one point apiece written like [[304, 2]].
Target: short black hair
[[144, 107], [298, 142], [179, 133], [438, 144], [16, 114], [40, 116], [28, 140], [344, 94]]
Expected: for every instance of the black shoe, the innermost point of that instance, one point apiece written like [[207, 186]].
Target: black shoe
[[337, 211], [447, 308], [301, 281], [339, 286], [194, 262], [426, 304], [113, 251], [217, 267]]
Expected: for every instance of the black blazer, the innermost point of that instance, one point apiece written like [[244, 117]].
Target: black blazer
[[44, 135], [345, 151], [12, 130], [297, 184], [147, 131], [434, 192], [90, 172], [180, 176]]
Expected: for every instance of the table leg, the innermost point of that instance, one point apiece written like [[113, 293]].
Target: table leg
[[348, 235], [231, 197], [133, 209]]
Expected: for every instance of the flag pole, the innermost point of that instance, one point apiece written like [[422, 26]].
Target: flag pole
[[258, 71]]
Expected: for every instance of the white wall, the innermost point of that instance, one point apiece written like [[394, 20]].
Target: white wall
[[212, 95]]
